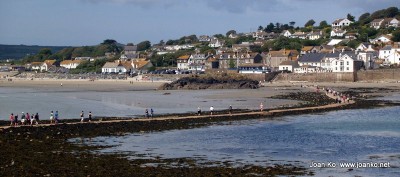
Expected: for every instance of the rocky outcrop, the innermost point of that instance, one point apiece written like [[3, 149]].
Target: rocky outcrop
[[223, 82]]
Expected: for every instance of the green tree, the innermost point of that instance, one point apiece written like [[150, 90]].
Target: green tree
[[391, 12], [350, 17], [364, 18], [230, 32], [260, 28], [45, 51], [323, 24], [109, 41], [396, 36], [292, 23], [144, 45], [232, 63], [309, 23]]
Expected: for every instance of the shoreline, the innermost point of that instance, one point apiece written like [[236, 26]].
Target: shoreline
[[50, 145]]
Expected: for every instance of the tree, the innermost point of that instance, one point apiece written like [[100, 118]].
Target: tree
[[219, 36], [45, 51], [143, 45], [396, 36], [129, 44], [323, 24], [364, 18], [309, 23], [232, 63], [109, 41], [350, 17], [391, 12], [230, 32], [292, 23], [269, 27], [260, 28]]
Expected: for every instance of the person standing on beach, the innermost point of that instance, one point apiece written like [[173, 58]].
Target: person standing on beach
[[90, 116], [37, 118], [146, 113], [16, 120], [198, 111], [51, 117], [82, 116], [22, 118], [28, 118], [211, 110], [151, 112], [56, 117], [230, 109], [261, 107], [12, 119]]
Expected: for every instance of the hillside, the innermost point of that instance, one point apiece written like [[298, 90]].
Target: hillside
[[20, 51]]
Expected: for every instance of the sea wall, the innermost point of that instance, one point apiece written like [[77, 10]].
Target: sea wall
[[388, 75], [378, 75], [316, 77]]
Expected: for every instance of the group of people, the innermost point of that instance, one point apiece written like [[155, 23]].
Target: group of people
[[230, 109], [83, 119], [146, 112], [26, 119], [340, 97]]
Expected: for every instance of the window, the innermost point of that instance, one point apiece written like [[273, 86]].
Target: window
[[336, 62], [347, 68], [335, 68], [348, 63]]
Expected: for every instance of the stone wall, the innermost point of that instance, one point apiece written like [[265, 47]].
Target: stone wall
[[378, 75], [316, 77]]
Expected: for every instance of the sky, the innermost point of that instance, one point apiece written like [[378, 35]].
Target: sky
[[89, 22]]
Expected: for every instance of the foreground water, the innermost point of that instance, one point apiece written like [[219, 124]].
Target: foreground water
[[127, 103], [339, 136]]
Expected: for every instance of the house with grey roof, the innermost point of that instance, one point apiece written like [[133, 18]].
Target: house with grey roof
[[288, 66], [340, 23]]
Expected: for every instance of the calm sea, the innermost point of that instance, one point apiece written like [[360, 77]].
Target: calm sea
[[126, 103], [346, 136]]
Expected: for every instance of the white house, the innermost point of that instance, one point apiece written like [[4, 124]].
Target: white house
[[183, 62], [385, 52], [314, 35], [46, 65], [381, 39], [368, 58], [113, 67], [394, 57], [377, 23], [338, 33], [306, 69], [70, 64], [197, 62], [340, 23], [346, 63], [384, 23], [286, 33], [216, 43], [288, 66]]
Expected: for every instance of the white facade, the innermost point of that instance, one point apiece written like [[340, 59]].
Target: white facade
[[338, 33], [394, 57], [286, 68], [183, 66], [215, 43], [381, 39], [385, 52], [367, 58], [286, 33], [340, 23], [344, 64]]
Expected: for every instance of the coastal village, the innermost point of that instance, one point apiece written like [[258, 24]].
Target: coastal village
[[334, 55]]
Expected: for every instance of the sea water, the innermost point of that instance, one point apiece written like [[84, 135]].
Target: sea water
[[336, 137], [70, 103]]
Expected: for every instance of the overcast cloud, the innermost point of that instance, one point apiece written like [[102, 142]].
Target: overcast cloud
[[88, 22]]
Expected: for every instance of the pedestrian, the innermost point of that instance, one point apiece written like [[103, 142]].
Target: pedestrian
[[12, 119], [56, 118], [198, 111], [146, 113], [37, 118], [82, 116], [28, 118], [230, 109], [90, 116], [16, 120], [211, 110], [51, 117], [261, 107], [151, 112], [23, 118]]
